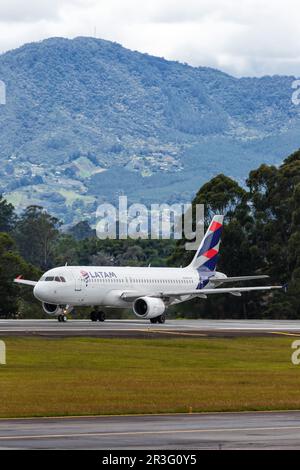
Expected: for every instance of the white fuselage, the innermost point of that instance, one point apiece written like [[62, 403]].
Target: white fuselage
[[104, 285]]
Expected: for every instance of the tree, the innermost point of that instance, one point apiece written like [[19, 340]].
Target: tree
[[221, 195], [12, 265], [7, 215], [35, 234], [82, 230], [261, 236], [65, 250]]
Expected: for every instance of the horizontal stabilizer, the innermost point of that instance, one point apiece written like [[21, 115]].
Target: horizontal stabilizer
[[20, 280]]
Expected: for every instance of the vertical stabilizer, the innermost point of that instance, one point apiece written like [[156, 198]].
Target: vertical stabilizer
[[207, 254]]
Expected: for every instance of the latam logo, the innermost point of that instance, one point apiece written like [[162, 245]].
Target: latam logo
[[85, 275], [97, 275]]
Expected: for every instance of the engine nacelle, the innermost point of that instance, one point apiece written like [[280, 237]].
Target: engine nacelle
[[52, 309], [148, 307]]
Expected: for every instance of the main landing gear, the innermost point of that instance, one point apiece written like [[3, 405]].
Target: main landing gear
[[97, 316], [62, 318], [161, 319]]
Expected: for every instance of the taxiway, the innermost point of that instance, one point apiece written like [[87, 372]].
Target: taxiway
[[261, 430]]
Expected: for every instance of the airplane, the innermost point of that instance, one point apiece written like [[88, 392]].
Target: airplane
[[149, 291]]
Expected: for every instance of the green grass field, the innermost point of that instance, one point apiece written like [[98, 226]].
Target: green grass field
[[46, 377]]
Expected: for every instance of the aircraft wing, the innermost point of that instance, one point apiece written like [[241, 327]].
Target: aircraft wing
[[237, 278], [131, 296], [20, 280]]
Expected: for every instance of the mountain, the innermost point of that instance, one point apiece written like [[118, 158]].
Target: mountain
[[87, 120]]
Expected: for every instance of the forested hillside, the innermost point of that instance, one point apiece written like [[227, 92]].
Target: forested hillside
[[87, 119]]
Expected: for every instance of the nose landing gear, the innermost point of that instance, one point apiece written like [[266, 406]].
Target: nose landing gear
[[62, 317]]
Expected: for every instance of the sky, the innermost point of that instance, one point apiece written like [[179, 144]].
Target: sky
[[240, 37]]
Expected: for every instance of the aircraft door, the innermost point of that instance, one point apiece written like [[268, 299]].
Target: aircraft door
[[78, 283], [82, 280]]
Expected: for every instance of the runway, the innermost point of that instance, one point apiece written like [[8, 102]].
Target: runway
[[273, 430], [143, 329]]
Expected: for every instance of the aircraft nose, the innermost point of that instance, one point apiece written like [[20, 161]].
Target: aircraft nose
[[39, 291], [44, 292], [36, 290]]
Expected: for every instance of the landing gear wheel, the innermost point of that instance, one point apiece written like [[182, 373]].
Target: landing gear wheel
[[62, 318], [153, 320], [161, 319], [101, 316], [94, 315]]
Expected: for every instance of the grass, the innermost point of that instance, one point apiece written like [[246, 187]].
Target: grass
[[86, 168], [80, 376], [23, 197], [72, 196]]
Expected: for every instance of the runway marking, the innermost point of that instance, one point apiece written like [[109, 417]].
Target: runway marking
[[91, 329], [65, 330], [283, 333], [141, 433], [103, 330], [180, 333], [221, 329], [149, 415]]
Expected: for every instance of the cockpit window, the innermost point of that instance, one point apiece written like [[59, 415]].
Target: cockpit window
[[52, 278]]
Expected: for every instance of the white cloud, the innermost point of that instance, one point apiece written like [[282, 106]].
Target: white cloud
[[32, 10], [242, 37]]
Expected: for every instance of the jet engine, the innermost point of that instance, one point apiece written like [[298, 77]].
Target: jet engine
[[52, 309], [148, 307]]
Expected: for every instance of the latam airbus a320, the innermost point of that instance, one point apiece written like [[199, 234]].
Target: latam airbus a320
[[148, 291]]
